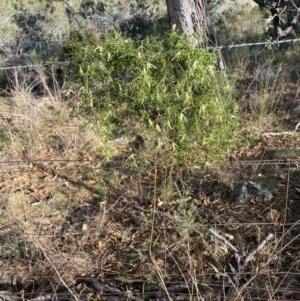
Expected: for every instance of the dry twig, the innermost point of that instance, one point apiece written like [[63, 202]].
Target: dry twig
[[281, 133], [58, 274], [224, 240], [253, 252]]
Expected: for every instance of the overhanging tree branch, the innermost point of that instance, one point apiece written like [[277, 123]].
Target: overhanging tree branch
[[284, 15]]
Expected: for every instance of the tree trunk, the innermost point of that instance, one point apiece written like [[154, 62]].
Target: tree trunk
[[192, 18]]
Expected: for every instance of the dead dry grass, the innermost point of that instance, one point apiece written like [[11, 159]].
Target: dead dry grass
[[104, 226], [136, 224]]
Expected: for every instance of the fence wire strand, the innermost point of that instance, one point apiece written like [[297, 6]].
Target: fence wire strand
[[110, 274], [66, 63], [17, 166]]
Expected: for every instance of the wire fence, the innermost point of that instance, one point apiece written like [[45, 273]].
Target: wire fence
[[30, 66], [60, 176], [283, 161], [9, 167], [52, 235], [271, 42], [277, 43]]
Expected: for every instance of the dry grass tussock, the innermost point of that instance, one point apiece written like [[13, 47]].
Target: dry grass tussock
[[262, 97], [39, 128]]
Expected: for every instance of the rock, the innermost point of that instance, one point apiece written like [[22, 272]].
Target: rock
[[246, 191], [292, 107]]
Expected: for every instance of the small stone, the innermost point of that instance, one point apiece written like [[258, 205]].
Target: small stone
[[2, 209], [247, 191]]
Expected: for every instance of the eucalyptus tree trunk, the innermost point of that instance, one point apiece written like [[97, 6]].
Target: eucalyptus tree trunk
[[192, 18]]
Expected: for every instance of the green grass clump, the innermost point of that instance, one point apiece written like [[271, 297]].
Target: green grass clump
[[170, 88]]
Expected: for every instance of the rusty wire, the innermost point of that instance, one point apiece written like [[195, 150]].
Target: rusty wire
[[20, 163]]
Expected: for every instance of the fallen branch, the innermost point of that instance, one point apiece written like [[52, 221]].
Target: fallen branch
[[241, 260], [252, 253], [224, 240], [281, 133], [127, 295], [177, 288], [103, 287], [106, 292], [250, 256]]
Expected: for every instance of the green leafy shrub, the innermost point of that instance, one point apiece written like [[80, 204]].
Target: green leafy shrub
[[168, 87]]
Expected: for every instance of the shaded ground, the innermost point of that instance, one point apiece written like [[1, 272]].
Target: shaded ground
[[142, 231]]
